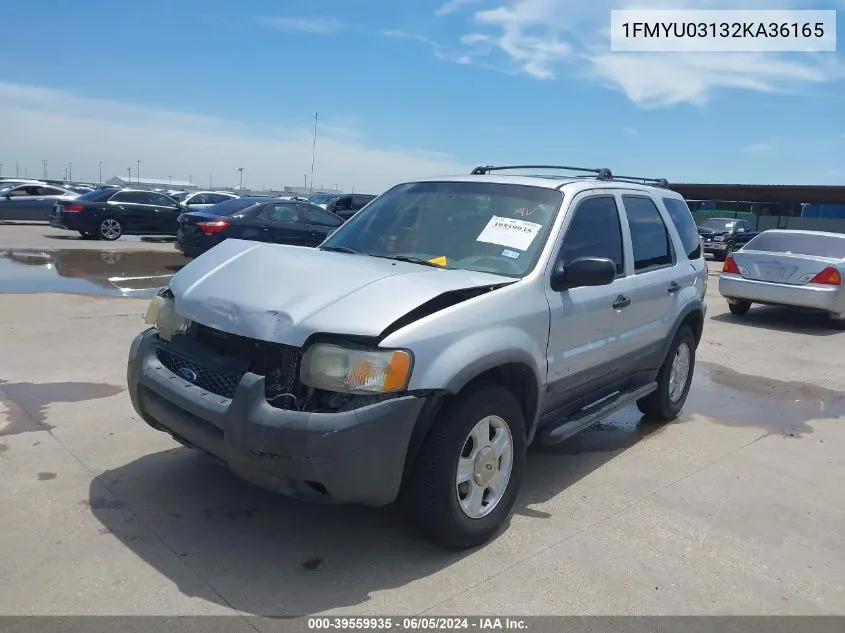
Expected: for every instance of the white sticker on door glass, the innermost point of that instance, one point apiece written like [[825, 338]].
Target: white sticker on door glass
[[509, 232]]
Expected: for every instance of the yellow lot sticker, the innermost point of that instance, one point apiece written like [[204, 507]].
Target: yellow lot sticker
[[439, 261]]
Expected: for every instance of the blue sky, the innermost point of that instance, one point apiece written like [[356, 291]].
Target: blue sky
[[404, 88]]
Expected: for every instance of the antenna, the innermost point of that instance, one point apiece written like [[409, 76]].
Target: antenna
[[313, 154]]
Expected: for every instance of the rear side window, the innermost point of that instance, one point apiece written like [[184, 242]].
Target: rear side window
[[595, 231], [318, 216], [649, 237], [131, 197], [798, 244], [684, 223]]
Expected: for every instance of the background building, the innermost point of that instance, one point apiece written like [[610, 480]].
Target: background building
[[151, 183]]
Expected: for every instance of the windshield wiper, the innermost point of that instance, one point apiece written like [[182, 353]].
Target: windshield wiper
[[410, 260], [339, 249]]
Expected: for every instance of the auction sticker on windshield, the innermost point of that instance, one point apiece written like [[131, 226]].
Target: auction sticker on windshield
[[509, 232]]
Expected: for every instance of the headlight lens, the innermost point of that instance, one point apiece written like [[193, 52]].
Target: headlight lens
[[161, 314], [335, 368]]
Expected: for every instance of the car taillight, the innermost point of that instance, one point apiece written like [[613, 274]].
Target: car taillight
[[730, 266], [74, 208], [829, 277], [212, 227]]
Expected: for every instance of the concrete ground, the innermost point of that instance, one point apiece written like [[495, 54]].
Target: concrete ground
[[736, 508]]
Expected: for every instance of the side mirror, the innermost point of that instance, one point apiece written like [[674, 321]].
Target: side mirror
[[583, 271]]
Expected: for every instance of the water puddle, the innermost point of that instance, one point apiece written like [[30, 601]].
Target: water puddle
[[727, 398], [25, 403], [87, 272]]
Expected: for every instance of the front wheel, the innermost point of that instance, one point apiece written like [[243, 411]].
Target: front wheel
[[673, 380], [110, 229], [469, 470]]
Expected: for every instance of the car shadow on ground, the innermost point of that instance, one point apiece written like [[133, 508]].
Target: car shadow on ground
[[791, 320], [269, 555]]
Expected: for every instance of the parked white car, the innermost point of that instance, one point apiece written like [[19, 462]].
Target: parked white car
[[199, 200]]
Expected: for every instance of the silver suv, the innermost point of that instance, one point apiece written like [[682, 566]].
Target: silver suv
[[423, 346]]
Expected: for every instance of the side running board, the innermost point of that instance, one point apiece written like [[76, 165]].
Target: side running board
[[593, 414]]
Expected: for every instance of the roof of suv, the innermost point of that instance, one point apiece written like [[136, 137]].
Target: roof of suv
[[552, 182]]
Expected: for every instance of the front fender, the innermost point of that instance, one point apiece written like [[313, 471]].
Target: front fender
[[457, 364]]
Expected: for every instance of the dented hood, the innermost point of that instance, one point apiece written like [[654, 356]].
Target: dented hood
[[284, 294]]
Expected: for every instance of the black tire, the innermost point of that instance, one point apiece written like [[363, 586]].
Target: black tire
[[837, 323], [431, 495], [658, 405], [110, 229], [739, 307]]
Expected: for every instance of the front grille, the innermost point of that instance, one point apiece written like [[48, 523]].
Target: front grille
[[215, 381], [279, 364]]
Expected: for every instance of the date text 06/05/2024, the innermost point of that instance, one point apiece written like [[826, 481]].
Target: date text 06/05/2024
[[415, 623]]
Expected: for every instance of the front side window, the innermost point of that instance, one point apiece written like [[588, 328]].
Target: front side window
[[649, 237], [481, 226], [595, 231]]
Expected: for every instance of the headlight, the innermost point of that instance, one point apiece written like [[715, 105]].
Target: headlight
[[161, 314], [334, 368]]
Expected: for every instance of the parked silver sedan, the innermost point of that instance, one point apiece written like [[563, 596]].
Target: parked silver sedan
[[31, 201], [788, 268]]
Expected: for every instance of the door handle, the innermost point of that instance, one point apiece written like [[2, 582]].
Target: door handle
[[674, 287], [621, 302]]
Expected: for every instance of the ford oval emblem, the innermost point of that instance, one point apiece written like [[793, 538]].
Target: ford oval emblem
[[188, 374]]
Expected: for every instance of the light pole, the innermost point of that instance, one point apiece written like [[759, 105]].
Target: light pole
[[128, 175], [70, 171], [241, 173], [101, 172], [190, 180], [138, 173], [306, 181], [170, 181], [25, 172], [17, 170], [44, 163], [1, 170]]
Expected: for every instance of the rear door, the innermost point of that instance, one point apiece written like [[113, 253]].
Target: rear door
[[284, 224], [133, 209], [166, 213], [320, 223], [656, 281]]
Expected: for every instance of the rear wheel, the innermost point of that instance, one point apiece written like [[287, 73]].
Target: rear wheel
[[467, 475], [673, 380], [110, 229], [739, 307]]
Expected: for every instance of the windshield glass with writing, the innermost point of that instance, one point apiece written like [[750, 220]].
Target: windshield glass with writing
[[486, 227], [718, 225]]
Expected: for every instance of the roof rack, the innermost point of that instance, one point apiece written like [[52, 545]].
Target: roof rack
[[601, 173]]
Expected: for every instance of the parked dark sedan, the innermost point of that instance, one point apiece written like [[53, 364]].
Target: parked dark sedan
[[108, 214], [279, 220]]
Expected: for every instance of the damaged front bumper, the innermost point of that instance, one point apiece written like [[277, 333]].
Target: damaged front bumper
[[356, 456]]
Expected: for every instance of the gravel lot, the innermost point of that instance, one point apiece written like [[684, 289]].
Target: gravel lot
[[736, 508]]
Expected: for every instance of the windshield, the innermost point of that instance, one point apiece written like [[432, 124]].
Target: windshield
[[719, 225], [323, 198], [799, 244], [486, 227]]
